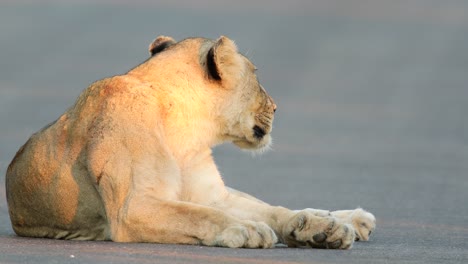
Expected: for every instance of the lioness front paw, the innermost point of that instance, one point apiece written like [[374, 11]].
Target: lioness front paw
[[305, 229], [362, 221], [249, 234]]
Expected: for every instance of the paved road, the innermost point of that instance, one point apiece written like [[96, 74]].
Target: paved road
[[373, 106]]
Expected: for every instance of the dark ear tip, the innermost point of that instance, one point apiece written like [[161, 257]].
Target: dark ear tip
[[220, 54], [211, 65], [160, 44]]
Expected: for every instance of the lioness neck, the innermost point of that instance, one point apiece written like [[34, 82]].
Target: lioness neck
[[189, 122]]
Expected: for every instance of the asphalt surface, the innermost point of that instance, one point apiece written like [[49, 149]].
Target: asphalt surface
[[372, 111]]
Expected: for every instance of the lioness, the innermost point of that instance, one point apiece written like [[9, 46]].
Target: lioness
[[131, 161]]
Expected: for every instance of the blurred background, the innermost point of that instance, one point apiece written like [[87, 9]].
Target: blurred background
[[372, 95]]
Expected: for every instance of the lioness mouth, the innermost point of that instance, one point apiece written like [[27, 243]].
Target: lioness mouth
[[258, 132]]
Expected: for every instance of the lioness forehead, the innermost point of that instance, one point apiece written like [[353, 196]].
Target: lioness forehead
[[219, 60]]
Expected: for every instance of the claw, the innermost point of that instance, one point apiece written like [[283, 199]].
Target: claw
[[335, 244], [357, 236]]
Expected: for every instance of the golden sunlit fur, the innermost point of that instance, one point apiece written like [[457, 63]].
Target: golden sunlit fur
[[131, 160]]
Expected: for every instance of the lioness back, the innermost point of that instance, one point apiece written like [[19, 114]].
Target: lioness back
[[48, 192]]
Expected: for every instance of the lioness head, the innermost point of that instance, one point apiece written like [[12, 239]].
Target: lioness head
[[244, 110]]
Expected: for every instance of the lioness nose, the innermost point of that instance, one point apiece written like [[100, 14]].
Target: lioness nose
[[274, 108]]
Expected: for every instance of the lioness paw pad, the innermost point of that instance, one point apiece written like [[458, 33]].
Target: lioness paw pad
[[305, 229]]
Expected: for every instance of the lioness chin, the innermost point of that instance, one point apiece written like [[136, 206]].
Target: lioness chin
[[131, 160]]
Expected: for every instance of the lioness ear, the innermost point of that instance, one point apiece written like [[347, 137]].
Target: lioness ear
[[222, 60], [160, 44]]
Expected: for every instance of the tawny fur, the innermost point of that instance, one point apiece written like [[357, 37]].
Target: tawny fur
[[131, 160]]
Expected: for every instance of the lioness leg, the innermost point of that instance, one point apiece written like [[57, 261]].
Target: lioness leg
[[243, 194], [303, 228], [362, 221], [141, 206], [147, 220]]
